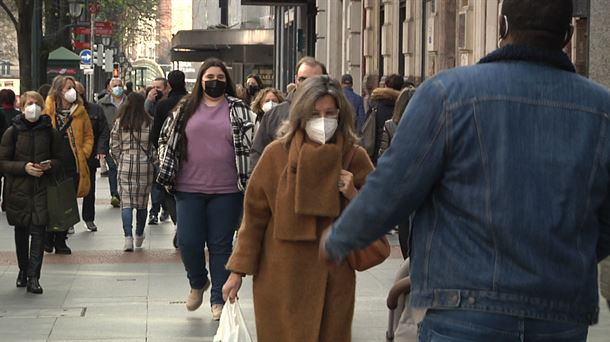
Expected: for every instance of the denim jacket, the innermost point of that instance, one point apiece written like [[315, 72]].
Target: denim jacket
[[508, 166]]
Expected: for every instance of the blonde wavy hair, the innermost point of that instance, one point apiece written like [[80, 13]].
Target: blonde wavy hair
[[32, 94], [257, 104], [303, 105]]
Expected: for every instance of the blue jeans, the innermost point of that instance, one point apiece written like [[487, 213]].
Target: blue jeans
[[475, 326], [127, 216], [112, 176], [207, 220]]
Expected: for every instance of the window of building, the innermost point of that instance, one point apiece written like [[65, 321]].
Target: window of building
[[465, 3], [461, 33]]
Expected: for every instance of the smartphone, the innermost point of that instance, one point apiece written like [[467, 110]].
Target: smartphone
[[45, 163]]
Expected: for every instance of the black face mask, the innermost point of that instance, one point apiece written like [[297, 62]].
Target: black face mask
[[252, 90], [215, 88]]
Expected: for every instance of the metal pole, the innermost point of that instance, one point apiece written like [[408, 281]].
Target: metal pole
[[35, 44], [91, 90]]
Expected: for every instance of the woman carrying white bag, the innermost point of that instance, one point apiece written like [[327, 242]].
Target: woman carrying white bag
[[232, 326]]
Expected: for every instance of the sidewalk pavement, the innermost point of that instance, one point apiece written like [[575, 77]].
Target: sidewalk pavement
[[100, 293]]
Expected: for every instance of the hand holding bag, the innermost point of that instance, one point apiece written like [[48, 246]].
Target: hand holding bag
[[375, 253], [61, 205], [232, 326]]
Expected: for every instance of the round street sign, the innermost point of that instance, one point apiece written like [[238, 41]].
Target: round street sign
[[85, 57], [93, 8]]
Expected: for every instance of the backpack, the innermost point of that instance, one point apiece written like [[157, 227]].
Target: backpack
[[368, 132]]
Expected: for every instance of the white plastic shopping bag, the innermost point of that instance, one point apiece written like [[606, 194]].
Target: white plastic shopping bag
[[232, 326]]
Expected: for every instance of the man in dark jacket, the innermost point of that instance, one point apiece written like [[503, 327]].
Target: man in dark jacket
[[158, 195], [382, 106], [347, 83], [272, 120], [101, 137]]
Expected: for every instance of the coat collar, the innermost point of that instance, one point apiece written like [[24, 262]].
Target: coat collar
[[555, 58]]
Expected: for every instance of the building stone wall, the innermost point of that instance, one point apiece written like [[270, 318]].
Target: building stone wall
[[599, 40]]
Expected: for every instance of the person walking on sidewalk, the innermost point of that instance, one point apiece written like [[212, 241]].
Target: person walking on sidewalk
[[507, 164], [131, 148], [29, 154], [296, 191], [111, 104], [203, 152], [101, 136], [70, 118]]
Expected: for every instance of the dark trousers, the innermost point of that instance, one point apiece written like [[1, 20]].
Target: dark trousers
[[207, 220], [170, 205], [112, 176], [88, 210], [30, 252]]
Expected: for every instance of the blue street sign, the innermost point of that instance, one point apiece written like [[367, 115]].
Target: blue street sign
[[85, 57]]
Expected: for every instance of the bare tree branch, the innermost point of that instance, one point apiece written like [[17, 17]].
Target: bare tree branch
[[10, 14]]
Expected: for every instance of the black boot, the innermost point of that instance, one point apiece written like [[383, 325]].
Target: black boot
[[22, 279], [60, 244], [49, 241], [33, 286]]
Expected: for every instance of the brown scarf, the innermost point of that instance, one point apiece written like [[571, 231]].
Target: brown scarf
[[307, 188]]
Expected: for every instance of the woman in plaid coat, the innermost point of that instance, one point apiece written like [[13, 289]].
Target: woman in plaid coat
[[131, 148]]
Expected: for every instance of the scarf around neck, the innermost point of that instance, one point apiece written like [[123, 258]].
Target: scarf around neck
[[307, 189], [554, 58]]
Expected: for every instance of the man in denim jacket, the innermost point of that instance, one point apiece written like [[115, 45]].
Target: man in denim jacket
[[508, 166]]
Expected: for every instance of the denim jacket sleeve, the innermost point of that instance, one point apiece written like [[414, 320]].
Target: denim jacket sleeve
[[404, 177], [603, 243]]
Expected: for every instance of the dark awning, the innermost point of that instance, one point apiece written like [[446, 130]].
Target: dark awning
[[232, 46]]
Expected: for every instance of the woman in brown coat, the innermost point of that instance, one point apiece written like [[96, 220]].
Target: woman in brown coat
[[297, 189]]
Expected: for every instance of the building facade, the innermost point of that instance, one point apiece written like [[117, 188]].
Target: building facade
[[419, 38]]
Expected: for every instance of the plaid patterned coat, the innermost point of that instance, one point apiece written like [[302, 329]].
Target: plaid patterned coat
[[131, 151], [243, 133]]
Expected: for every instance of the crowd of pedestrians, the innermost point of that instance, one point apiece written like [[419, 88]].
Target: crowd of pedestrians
[[496, 177]]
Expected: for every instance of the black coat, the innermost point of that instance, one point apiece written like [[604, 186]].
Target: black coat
[[101, 132], [164, 107], [25, 196], [382, 102]]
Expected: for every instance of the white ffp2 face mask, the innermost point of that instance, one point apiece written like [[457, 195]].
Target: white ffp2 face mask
[[70, 95], [321, 130], [268, 105], [32, 112]]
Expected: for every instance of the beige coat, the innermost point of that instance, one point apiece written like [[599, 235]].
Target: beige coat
[[296, 298]]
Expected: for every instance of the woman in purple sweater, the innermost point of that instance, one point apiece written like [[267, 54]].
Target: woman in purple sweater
[[204, 148]]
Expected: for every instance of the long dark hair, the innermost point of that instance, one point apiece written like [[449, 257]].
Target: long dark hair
[[193, 100], [132, 115]]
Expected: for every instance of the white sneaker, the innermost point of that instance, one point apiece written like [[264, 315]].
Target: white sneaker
[[139, 239], [128, 247]]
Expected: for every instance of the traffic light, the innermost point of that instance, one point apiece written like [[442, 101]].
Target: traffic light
[[116, 73], [98, 54]]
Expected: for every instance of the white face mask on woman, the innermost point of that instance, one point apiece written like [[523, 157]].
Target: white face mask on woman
[[32, 112], [321, 130], [70, 95], [268, 105]]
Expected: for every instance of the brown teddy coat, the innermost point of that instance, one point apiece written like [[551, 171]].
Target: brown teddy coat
[[296, 297]]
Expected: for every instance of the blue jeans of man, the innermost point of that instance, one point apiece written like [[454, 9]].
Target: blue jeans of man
[[112, 176], [157, 195], [207, 220], [127, 217], [475, 326]]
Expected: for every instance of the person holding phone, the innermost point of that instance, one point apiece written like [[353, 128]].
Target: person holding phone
[[29, 153]]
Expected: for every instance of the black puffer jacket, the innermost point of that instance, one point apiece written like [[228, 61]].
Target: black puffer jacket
[[382, 102], [25, 196]]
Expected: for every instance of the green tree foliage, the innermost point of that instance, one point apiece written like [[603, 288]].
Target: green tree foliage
[[130, 18]]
